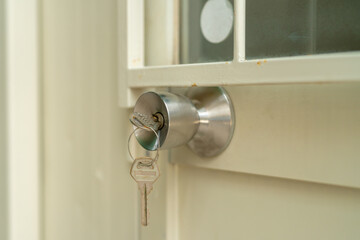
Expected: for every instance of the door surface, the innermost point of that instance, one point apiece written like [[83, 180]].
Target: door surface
[[290, 172]]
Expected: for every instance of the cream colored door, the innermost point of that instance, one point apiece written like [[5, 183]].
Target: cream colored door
[[87, 190], [290, 172]]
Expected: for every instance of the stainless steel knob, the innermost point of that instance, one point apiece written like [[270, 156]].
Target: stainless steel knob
[[203, 118]]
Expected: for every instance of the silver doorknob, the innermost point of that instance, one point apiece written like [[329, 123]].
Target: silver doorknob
[[203, 118]]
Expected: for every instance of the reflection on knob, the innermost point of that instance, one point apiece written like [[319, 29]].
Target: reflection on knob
[[203, 118]]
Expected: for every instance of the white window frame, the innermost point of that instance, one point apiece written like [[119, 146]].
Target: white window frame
[[23, 136], [133, 75]]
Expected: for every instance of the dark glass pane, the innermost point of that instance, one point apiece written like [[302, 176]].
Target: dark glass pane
[[277, 28], [338, 26], [300, 27]]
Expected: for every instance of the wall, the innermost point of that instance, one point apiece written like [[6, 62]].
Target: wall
[[88, 193], [3, 127]]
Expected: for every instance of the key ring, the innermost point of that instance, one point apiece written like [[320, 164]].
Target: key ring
[[157, 141]]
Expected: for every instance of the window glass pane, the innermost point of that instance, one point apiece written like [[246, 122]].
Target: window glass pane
[[206, 31], [301, 27], [277, 28], [338, 25]]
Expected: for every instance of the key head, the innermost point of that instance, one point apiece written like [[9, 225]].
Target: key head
[[144, 170]]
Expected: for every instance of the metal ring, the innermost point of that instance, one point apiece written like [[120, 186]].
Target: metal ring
[[157, 140]]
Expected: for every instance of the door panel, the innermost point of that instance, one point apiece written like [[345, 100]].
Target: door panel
[[304, 132], [223, 205], [300, 135]]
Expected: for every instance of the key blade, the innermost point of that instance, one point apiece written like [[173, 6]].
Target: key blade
[[144, 208]]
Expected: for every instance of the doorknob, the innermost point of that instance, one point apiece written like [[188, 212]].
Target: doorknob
[[203, 118]]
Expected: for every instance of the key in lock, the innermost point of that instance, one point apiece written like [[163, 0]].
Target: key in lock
[[203, 118]]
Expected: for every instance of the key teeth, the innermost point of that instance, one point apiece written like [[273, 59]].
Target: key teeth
[[149, 189], [144, 224]]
